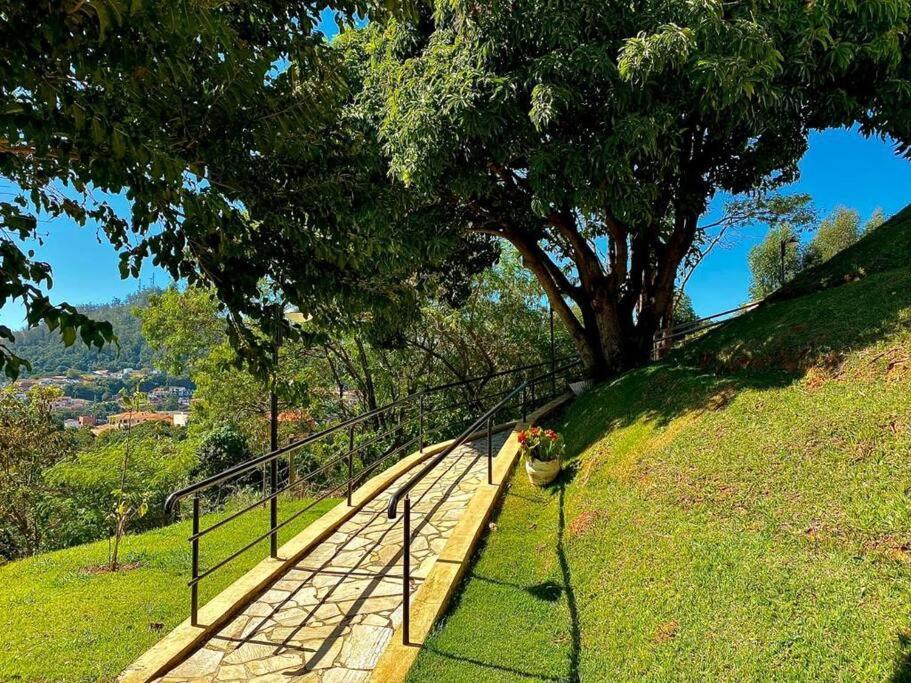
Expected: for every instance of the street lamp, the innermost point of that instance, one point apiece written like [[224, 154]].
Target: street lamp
[[784, 244]]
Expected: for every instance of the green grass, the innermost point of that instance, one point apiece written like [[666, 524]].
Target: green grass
[[738, 512], [62, 621]]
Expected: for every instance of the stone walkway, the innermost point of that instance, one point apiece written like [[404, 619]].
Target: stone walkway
[[329, 618]]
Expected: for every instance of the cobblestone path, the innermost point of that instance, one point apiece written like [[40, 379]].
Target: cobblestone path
[[329, 618]]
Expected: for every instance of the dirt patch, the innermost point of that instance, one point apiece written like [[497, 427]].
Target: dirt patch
[[106, 569], [721, 398], [828, 366], [583, 522], [893, 546], [667, 631]]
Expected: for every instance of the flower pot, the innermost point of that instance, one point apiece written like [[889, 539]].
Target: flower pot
[[542, 472]]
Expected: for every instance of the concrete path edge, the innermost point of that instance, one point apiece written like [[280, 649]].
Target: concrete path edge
[[430, 601], [185, 638]]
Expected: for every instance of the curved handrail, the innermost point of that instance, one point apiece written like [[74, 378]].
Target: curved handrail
[[252, 464], [700, 323], [402, 490]]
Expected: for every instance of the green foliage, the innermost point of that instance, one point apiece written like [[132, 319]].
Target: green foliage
[[30, 442], [181, 326], [876, 219], [765, 261], [684, 312], [551, 126], [836, 233], [173, 104], [47, 356], [159, 459], [219, 449]]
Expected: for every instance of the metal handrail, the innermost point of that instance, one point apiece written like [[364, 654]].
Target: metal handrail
[[402, 428], [402, 493], [697, 325], [437, 459], [255, 463]]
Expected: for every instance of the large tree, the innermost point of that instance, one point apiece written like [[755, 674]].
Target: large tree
[[593, 135], [157, 100]]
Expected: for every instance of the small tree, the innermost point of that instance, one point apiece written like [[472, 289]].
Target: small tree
[[128, 505], [836, 233], [765, 260], [876, 219], [683, 309]]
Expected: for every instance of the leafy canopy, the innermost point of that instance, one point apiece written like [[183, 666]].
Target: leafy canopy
[[560, 127], [163, 101]]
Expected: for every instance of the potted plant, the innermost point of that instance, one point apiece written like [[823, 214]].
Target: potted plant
[[542, 450]]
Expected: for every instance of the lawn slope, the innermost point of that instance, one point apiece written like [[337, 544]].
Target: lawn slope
[[738, 512], [62, 620]]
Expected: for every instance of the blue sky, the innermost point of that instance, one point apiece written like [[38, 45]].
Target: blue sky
[[841, 168]]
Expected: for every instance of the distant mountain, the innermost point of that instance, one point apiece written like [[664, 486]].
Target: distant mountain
[[47, 354]]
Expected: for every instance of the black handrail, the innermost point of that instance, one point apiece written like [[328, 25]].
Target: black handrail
[[256, 462], [403, 490], [402, 493], [699, 324], [399, 433]]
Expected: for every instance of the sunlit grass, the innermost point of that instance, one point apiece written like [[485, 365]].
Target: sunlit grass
[[751, 525], [62, 620]]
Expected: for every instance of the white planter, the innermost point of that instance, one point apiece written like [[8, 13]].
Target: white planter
[[540, 472]]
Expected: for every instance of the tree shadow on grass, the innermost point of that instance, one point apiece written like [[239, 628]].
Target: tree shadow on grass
[[575, 632], [768, 348], [902, 671]]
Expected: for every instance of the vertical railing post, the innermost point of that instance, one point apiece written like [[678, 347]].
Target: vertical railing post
[[194, 585], [553, 357], [273, 508], [350, 460], [534, 398], [273, 468], [524, 401], [406, 573], [490, 450], [421, 423]]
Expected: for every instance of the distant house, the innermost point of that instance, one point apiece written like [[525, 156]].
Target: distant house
[[87, 420], [127, 420], [71, 424], [162, 394], [67, 402]]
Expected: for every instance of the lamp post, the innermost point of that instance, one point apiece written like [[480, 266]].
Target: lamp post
[[784, 246]]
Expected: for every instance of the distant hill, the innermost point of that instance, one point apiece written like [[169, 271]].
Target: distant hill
[[47, 354]]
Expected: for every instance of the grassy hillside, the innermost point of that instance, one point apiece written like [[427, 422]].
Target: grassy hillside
[[740, 511], [63, 620]]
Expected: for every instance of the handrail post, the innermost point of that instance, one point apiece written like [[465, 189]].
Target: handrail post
[[490, 450], [421, 424], [553, 355], [524, 402], [406, 572], [194, 586], [350, 460], [273, 508], [273, 469]]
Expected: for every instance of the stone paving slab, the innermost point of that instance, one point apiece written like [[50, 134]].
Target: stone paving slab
[[329, 618]]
